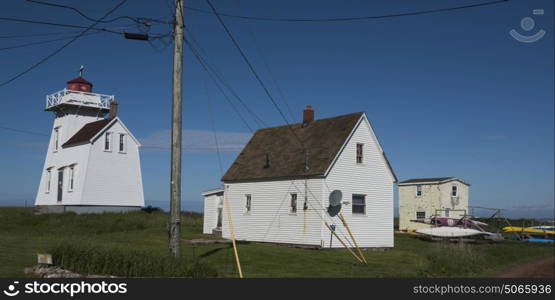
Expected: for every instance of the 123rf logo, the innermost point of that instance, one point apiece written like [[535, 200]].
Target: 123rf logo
[[11, 291], [69, 288]]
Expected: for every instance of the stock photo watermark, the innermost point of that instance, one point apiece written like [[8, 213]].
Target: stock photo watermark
[[528, 24]]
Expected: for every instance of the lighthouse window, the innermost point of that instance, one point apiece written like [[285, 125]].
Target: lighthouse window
[[56, 138], [48, 179], [122, 143], [71, 177], [108, 141]]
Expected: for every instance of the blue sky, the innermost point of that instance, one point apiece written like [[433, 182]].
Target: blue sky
[[448, 94]]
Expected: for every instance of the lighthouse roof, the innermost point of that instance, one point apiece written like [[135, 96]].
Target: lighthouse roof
[[91, 131], [80, 80], [87, 132]]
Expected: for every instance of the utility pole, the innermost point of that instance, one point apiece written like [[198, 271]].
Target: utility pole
[[175, 180]]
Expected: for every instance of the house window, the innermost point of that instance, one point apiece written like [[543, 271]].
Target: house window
[[108, 141], [420, 215], [293, 208], [454, 191], [359, 204], [359, 153], [56, 138], [48, 179], [248, 202], [122, 143], [419, 190], [71, 178]]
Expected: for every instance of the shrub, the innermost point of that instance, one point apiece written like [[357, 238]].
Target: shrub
[[86, 258]]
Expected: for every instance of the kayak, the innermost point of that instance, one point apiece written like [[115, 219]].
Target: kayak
[[527, 230]]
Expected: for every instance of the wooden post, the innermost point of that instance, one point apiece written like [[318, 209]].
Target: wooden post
[[175, 179], [232, 234], [352, 237], [343, 243]]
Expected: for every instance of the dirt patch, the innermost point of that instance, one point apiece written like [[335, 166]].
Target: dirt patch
[[543, 268]]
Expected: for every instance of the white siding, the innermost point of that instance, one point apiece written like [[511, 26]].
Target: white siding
[[270, 219], [371, 178], [68, 125], [113, 178], [211, 204]]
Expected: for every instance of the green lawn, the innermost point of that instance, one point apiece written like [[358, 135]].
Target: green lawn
[[23, 234]]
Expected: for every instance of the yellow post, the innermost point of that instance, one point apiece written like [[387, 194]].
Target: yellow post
[[352, 237], [343, 243], [232, 234]]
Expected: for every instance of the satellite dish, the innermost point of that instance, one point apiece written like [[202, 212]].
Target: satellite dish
[[335, 203]]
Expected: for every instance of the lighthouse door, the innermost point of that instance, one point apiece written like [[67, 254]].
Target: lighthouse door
[[60, 184]]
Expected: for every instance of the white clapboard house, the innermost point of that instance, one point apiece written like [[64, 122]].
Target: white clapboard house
[[92, 163], [278, 190]]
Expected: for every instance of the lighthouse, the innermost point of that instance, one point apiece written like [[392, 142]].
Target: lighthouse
[[92, 163]]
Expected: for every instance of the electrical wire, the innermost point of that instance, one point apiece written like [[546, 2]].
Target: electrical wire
[[253, 71], [203, 65], [44, 42], [62, 47], [260, 122], [139, 20], [15, 36], [213, 125], [24, 131], [55, 24], [414, 13]]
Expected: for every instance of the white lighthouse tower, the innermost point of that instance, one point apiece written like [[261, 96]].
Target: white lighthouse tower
[[92, 164]]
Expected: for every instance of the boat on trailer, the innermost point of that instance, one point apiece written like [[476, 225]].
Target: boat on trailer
[[452, 232]]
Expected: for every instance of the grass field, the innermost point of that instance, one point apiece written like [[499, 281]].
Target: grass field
[[23, 235]]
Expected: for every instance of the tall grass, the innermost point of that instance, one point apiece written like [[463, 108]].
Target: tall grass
[[87, 258], [446, 259]]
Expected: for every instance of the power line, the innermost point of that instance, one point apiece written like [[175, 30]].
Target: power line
[[203, 65], [213, 125], [254, 72], [24, 131], [62, 47], [15, 36], [55, 24], [44, 42], [105, 29], [421, 12], [260, 122], [139, 20]]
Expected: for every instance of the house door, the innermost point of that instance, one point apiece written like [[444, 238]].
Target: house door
[[60, 184], [219, 225]]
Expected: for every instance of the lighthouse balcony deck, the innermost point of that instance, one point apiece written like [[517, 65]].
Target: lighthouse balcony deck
[[78, 98]]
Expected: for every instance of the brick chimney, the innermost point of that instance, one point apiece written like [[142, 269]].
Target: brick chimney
[[113, 109], [308, 115]]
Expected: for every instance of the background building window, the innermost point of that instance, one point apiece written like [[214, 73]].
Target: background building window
[[359, 204], [420, 214], [454, 191], [360, 153], [419, 190], [248, 203], [293, 208]]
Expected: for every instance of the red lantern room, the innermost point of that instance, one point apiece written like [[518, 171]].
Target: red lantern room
[[79, 84]]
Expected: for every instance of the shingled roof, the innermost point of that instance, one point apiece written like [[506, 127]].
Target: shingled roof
[[431, 180], [86, 133], [322, 138]]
